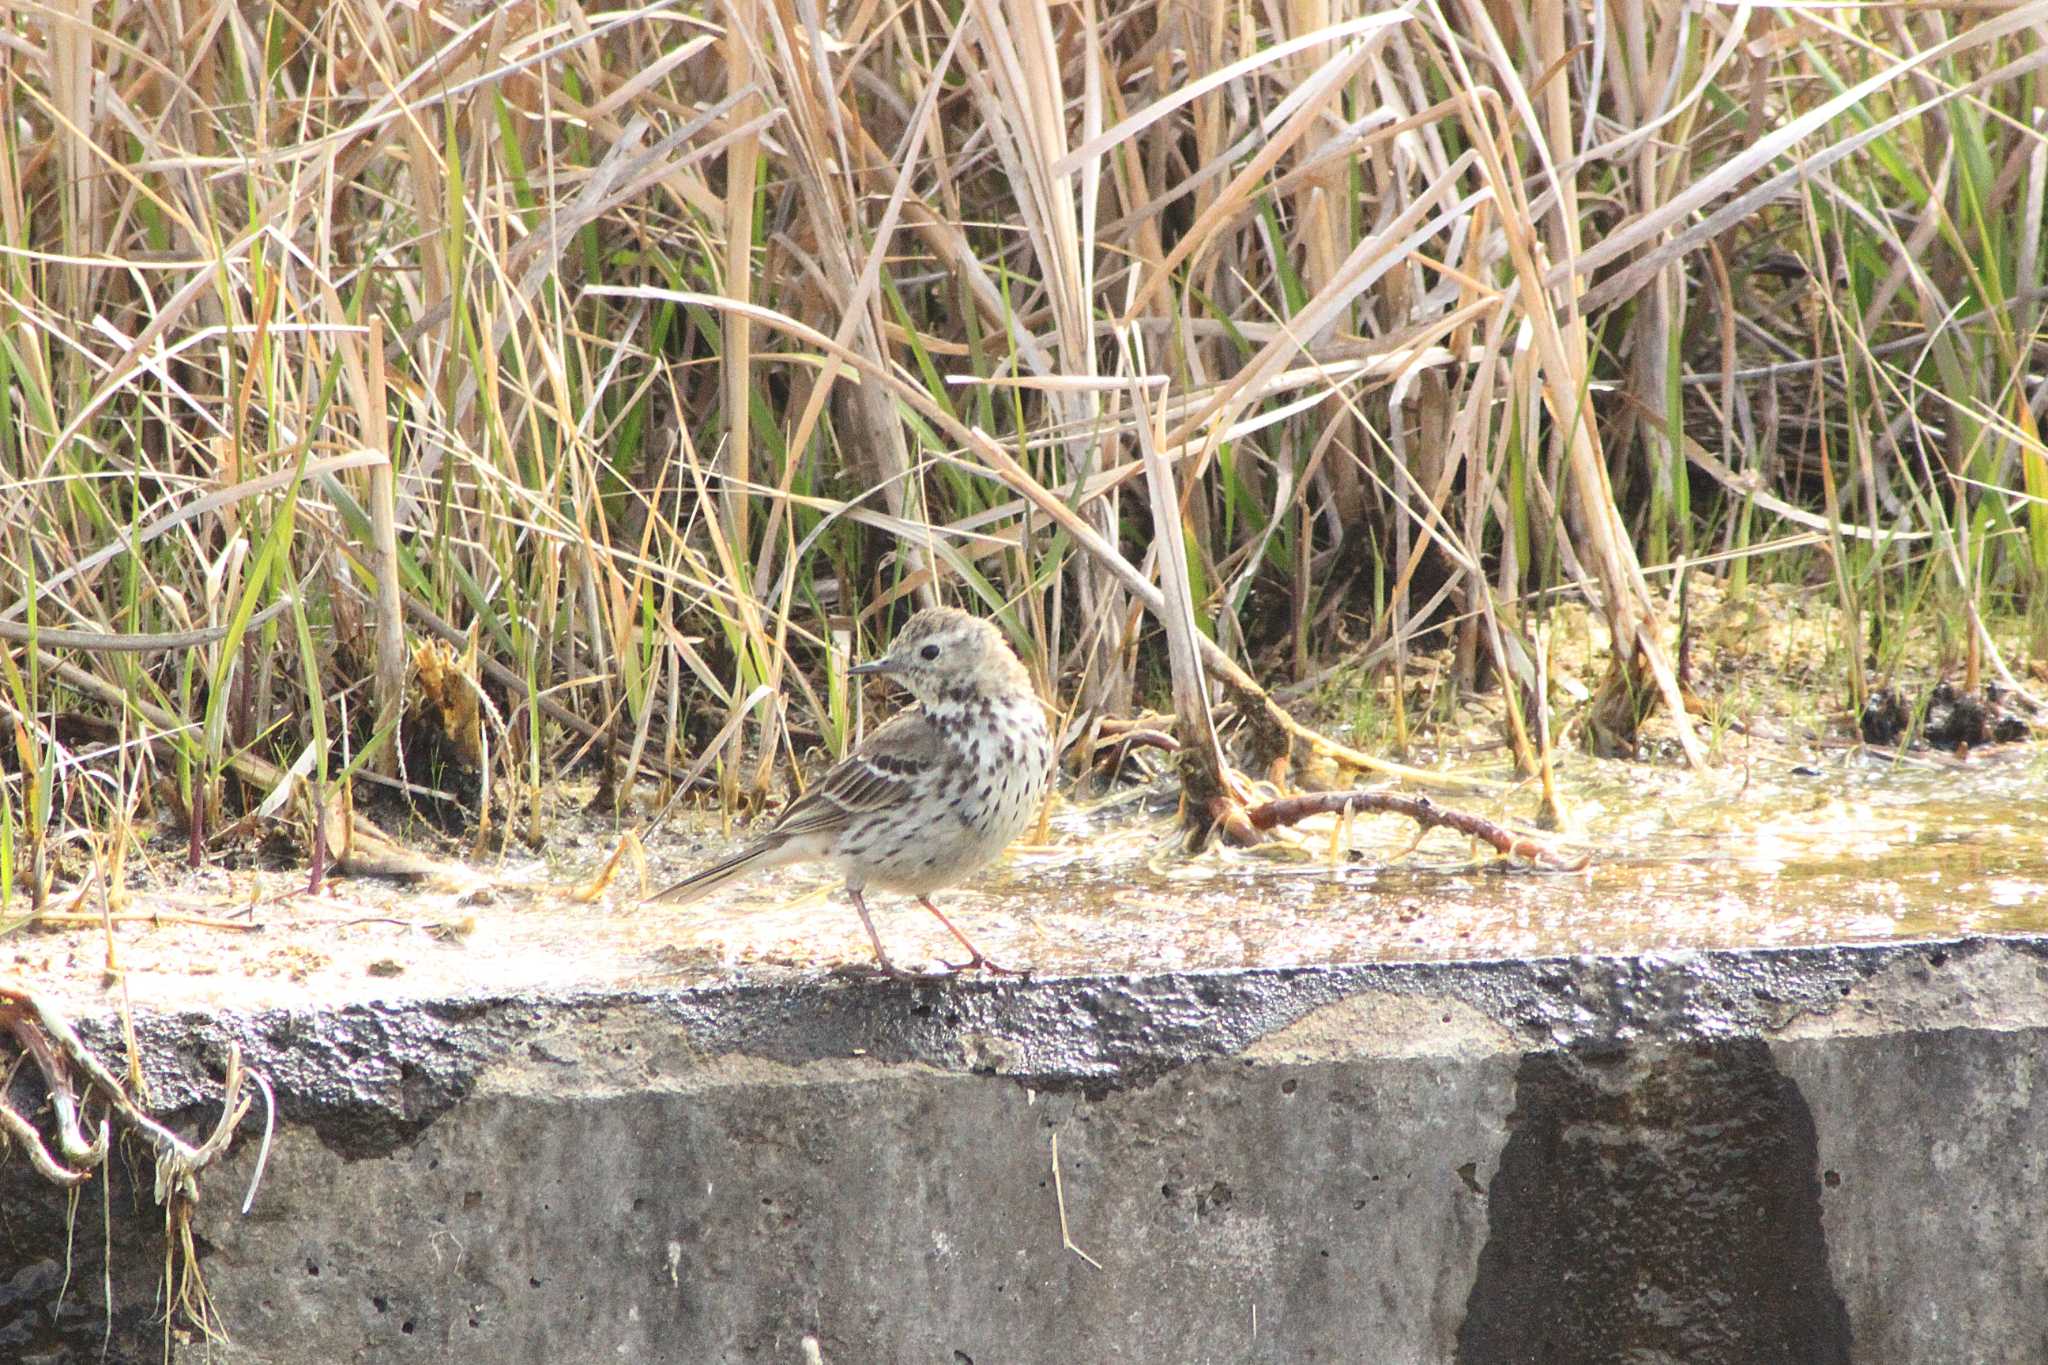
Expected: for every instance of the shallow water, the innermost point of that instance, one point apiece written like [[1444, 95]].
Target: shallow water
[[1841, 847], [1821, 845]]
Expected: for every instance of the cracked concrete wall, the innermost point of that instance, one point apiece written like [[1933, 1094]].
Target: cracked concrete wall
[[1828, 1154]]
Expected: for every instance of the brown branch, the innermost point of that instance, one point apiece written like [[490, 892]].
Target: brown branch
[[1289, 810], [1140, 739]]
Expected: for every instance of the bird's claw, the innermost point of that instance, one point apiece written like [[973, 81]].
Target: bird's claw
[[978, 963]]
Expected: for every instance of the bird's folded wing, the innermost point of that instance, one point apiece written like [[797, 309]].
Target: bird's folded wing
[[888, 771]]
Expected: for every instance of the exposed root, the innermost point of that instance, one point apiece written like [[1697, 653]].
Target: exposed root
[[1213, 803], [77, 1081]]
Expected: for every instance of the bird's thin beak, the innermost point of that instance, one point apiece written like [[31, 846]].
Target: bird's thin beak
[[881, 665]]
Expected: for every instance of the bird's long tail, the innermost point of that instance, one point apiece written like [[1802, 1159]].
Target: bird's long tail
[[746, 861]]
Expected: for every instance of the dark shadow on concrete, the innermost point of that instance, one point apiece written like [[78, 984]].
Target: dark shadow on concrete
[[1660, 1206], [44, 1248]]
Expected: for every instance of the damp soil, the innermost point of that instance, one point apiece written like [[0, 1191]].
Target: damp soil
[[1795, 845], [1799, 832]]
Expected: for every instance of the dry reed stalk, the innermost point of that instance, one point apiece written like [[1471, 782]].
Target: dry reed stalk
[[1446, 293]]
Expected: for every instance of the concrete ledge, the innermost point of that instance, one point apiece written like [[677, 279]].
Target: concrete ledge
[[1800, 1154]]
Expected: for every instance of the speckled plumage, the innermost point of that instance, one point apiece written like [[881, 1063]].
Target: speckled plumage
[[932, 796]]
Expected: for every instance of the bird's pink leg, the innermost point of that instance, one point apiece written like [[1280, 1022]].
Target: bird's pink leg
[[979, 959], [860, 907]]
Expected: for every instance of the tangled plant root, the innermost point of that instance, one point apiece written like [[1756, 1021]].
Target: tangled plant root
[[78, 1083]]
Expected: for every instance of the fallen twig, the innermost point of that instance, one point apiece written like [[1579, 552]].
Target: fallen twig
[[1108, 744], [629, 843], [69, 917], [1289, 810], [47, 1166]]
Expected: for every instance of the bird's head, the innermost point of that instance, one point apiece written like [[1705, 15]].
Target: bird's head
[[945, 657]]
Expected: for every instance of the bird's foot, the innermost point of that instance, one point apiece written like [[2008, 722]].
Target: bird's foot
[[980, 963]]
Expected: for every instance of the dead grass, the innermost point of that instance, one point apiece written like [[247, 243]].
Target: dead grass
[[665, 350]]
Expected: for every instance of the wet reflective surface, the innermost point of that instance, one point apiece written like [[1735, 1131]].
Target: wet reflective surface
[[1861, 849], [1840, 845]]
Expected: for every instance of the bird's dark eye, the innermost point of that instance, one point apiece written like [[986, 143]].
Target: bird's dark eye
[[929, 652]]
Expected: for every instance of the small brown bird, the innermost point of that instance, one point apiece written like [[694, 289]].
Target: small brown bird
[[930, 797]]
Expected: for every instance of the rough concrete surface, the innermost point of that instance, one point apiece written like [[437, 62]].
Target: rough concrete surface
[[1806, 1154]]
